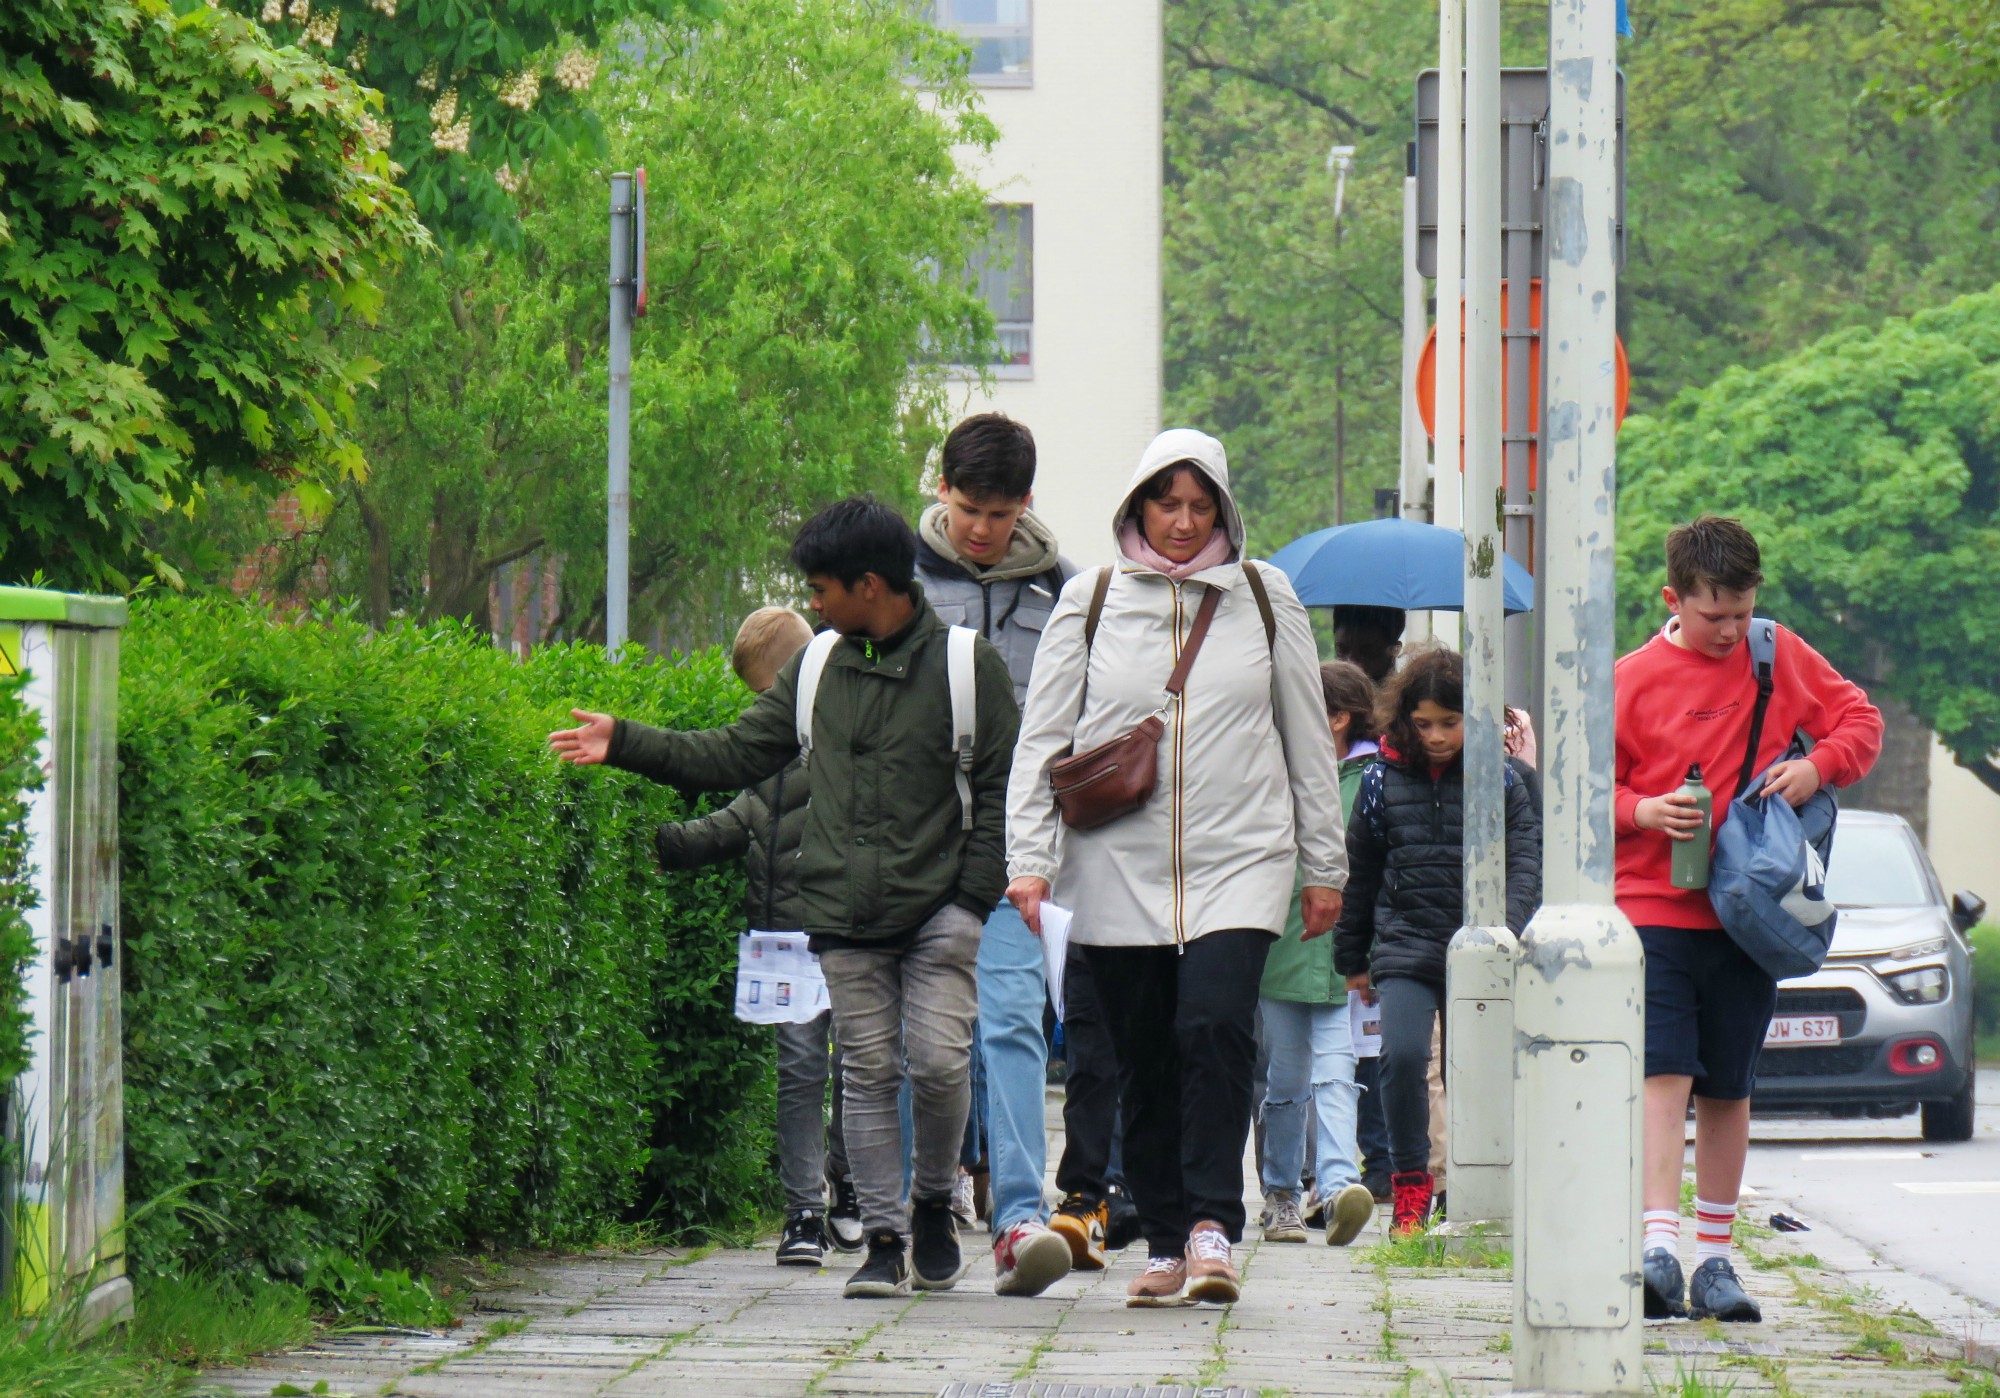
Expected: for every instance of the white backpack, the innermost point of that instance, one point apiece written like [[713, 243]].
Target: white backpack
[[964, 709]]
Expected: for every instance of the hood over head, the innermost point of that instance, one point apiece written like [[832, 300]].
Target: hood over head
[[1170, 448]]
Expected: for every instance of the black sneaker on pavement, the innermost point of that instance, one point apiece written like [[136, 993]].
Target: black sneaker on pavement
[[803, 1243], [885, 1273], [843, 1220], [1379, 1186], [1715, 1291], [1665, 1294], [1121, 1225], [934, 1253]]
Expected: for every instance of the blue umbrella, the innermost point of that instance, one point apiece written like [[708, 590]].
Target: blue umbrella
[[1390, 563]]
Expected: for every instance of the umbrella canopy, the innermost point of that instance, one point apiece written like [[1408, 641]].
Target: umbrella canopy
[[1390, 563]]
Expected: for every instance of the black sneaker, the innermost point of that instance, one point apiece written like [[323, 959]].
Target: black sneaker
[[1664, 1291], [885, 1273], [1121, 1227], [843, 1220], [1715, 1291], [1379, 1186], [934, 1252], [803, 1243]]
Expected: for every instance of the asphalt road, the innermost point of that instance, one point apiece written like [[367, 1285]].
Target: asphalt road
[[1929, 1209]]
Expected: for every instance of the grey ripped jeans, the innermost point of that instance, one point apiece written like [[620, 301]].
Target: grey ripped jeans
[[917, 1001], [810, 1147]]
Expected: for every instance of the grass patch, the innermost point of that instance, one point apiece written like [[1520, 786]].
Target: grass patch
[[1691, 1383], [198, 1321], [1429, 1248]]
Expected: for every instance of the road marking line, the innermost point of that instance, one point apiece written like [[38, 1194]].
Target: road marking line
[[1852, 1155], [1953, 1187]]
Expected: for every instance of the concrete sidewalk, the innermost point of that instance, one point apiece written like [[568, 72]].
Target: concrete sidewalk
[[1313, 1320]]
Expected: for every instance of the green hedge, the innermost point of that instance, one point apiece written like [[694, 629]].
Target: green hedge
[[20, 774], [396, 981]]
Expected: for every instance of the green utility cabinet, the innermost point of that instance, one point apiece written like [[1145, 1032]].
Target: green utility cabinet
[[63, 1244]]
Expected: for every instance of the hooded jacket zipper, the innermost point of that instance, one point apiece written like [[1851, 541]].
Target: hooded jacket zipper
[[1180, 727]]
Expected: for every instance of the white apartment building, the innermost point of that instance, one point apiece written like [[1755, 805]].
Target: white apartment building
[[1075, 89]]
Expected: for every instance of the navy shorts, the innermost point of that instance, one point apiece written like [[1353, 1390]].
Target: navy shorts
[[1708, 1007]]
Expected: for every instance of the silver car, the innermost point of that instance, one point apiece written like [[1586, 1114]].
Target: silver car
[[1885, 1027]]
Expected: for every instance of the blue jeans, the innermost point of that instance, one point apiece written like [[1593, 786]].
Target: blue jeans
[[1013, 987], [1312, 1062]]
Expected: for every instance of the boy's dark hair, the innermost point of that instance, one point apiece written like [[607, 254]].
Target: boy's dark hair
[[1714, 553], [854, 537], [1348, 690], [1433, 673], [989, 456], [1370, 637]]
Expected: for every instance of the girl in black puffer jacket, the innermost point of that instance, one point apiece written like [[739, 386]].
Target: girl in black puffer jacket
[[1405, 895]]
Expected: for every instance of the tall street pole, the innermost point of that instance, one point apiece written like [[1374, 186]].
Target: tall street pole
[[1449, 509], [1479, 966], [1580, 983], [1415, 474], [1338, 161], [618, 523]]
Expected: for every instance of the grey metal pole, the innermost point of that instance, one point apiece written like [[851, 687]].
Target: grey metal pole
[[1415, 453], [1518, 244], [1580, 984], [1479, 966], [1450, 376], [618, 524]]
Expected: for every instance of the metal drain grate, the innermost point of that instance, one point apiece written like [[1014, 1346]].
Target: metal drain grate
[[1003, 1388]]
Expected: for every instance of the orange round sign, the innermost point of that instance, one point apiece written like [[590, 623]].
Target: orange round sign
[[1427, 382]]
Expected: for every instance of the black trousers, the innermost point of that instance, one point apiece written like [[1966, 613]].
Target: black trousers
[[1183, 1022], [1090, 1086]]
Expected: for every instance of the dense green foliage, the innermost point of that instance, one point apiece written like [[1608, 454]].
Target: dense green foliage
[[1773, 197], [469, 103], [1869, 467], [395, 980], [806, 228], [20, 773], [182, 208]]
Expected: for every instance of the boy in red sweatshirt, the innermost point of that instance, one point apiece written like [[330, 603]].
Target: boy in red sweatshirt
[[1686, 697]]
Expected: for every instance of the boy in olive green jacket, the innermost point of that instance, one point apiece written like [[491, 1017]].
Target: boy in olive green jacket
[[1302, 1005]]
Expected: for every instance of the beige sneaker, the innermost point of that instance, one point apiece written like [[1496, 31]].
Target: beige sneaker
[[1348, 1214], [1159, 1284], [1211, 1271], [1284, 1223]]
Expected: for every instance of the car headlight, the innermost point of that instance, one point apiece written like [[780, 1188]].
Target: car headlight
[[1917, 949], [1924, 986]]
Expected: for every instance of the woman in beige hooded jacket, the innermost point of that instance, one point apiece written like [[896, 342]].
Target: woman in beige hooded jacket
[[1177, 904]]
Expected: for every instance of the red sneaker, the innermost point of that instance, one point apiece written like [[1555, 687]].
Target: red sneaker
[[1412, 1191]]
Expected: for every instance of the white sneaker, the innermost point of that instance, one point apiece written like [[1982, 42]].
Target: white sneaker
[[1285, 1224], [962, 1202], [1028, 1259], [1348, 1214]]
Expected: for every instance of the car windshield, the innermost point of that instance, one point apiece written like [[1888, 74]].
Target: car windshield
[[1875, 866]]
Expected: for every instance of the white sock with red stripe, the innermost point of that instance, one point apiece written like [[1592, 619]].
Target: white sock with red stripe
[[1712, 1224], [1663, 1230]]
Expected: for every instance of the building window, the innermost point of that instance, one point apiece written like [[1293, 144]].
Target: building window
[[1004, 271], [1000, 34]]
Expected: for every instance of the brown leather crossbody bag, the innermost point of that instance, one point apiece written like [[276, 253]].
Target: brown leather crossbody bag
[[1115, 778]]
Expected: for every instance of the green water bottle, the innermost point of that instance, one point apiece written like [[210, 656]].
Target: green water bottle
[[1691, 856]]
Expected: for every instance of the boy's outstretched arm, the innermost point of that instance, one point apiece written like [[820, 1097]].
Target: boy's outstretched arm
[[711, 839], [739, 754]]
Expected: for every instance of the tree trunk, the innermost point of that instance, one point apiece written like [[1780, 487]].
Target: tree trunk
[[458, 577], [1901, 780], [378, 561]]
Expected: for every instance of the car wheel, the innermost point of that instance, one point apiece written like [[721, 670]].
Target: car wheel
[[1951, 1120]]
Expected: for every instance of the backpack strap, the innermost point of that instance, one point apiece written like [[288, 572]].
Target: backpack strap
[[1763, 662], [811, 666], [958, 657], [1253, 576], [1096, 612]]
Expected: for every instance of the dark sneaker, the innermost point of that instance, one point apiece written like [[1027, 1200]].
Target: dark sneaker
[[934, 1254], [885, 1273], [1665, 1292], [803, 1243], [1714, 1291], [843, 1219], [1378, 1185], [1121, 1223]]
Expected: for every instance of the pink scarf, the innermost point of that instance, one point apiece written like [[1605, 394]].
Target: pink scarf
[[1132, 542]]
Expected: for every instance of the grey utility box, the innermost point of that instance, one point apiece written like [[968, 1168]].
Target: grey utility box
[[64, 1214]]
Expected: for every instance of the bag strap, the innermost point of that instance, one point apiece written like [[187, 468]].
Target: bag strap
[[811, 666], [1255, 577], [1763, 661], [1096, 612], [958, 657], [1197, 633]]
